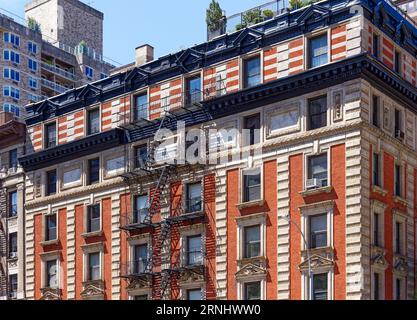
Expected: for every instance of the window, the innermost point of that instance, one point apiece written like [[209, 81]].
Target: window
[[318, 53], [93, 121], [398, 181], [141, 209], [51, 182], [376, 229], [93, 269], [141, 297], [320, 286], [51, 229], [32, 47], [317, 113], [252, 291], [8, 107], [376, 170], [317, 171], [50, 135], [11, 38], [284, 120], [9, 55], [252, 240], [252, 72], [13, 204], [194, 251], [397, 289], [11, 92], [103, 76], [397, 62], [11, 74], [398, 124], [33, 83], [193, 201], [193, 90], [375, 45], [13, 158], [398, 245], [33, 97], [93, 171], [141, 156], [251, 185], [252, 127], [194, 294], [51, 274], [141, 107], [140, 258], [376, 286], [89, 72], [318, 231], [375, 111], [93, 218], [32, 65], [13, 285], [13, 245]]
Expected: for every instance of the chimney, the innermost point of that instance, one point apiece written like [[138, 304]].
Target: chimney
[[144, 54]]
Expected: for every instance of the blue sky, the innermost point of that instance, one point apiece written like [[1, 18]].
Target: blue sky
[[165, 24]]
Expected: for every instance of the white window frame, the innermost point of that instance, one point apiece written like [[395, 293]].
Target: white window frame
[[191, 231], [86, 232], [86, 123], [50, 256], [242, 61], [329, 166], [241, 286], [312, 35], [250, 221], [280, 110], [242, 181], [45, 226], [307, 292], [44, 136], [93, 248]]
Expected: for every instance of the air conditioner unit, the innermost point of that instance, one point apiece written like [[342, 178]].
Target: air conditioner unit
[[399, 134], [313, 184], [13, 255]]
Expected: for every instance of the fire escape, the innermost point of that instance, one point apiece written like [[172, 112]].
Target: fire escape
[[157, 268], [4, 287]]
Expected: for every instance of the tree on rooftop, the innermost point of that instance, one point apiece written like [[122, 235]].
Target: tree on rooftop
[[214, 16], [34, 25]]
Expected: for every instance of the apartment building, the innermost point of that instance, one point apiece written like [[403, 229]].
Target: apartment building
[[36, 66], [52, 56], [317, 199]]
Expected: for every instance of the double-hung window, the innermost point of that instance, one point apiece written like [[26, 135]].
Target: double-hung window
[[32, 47], [10, 55], [318, 231], [13, 204], [398, 233], [375, 45], [93, 171], [252, 72], [141, 156], [252, 241], [50, 135], [320, 287], [375, 111], [317, 113], [13, 158], [376, 169], [376, 286], [11, 92], [193, 202], [93, 121], [89, 72], [51, 274], [141, 107], [398, 180], [376, 229], [51, 227], [252, 185], [252, 129], [193, 90], [140, 262], [94, 266], [319, 51], [194, 254], [32, 65], [51, 182], [317, 171], [93, 218], [13, 245], [397, 61], [11, 74], [11, 38], [252, 291], [141, 209], [33, 83]]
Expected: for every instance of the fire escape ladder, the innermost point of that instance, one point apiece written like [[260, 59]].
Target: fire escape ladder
[[3, 247]]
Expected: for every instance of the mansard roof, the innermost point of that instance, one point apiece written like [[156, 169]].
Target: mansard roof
[[283, 27]]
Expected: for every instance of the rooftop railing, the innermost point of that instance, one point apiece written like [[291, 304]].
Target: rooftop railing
[[57, 70], [54, 86]]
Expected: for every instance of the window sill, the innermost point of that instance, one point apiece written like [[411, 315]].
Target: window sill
[[256, 203], [313, 192], [49, 243], [254, 260], [379, 190], [10, 259], [92, 234], [400, 200]]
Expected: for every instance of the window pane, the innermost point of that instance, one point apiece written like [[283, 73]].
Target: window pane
[[317, 169], [194, 254], [94, 218], [318, 51], [318, 231], [13, 204], [141, 156], [194, 294], [194, 197], [252, 129], [141, 209], [320, 287], [93, 121], [50, 135], [52, 278], [94, 171], [141, 107], [140, 258], [252, 241], [252, 187], [51, 227], [193, 90], [13, 158], [252, 72], [253, 291], [317, 109], [94, 266]]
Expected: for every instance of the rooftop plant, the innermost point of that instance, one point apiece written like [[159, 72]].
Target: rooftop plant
[[34, 25], [214, 16]]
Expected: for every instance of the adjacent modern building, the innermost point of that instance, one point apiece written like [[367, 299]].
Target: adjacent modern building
[[305, 185], [51, 57], [62, 49]]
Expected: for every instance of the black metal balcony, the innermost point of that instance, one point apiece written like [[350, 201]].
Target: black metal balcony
[[137, 220]]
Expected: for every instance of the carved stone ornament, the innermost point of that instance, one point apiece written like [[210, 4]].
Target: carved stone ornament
[[192, 275], [400, 265], [317, 261], [93, 289], [139, 283], [50, 294], [250, 270], [378, 258]]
